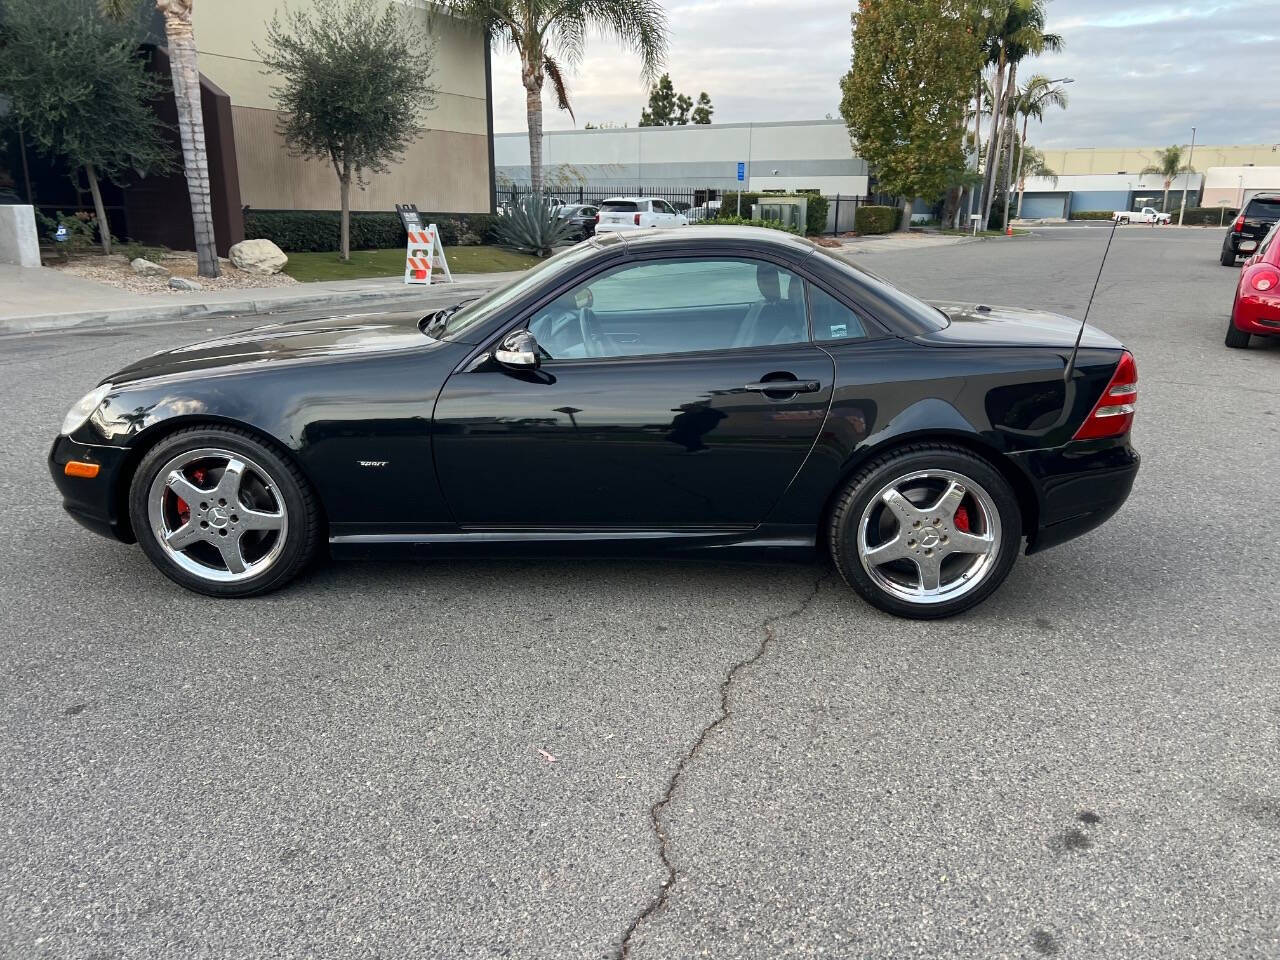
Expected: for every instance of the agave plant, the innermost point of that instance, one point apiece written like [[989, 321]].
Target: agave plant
[[531, 226]]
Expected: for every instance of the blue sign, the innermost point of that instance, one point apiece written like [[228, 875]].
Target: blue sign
[[62, 233], [742, 172]]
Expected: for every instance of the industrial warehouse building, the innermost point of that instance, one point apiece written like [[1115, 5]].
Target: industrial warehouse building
[[448, 170], [811, 155], [817, 155]]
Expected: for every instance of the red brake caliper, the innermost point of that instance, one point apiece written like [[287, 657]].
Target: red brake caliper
[[962, 519], [184, 511]]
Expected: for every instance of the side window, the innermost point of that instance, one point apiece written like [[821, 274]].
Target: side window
[[1269, 239], [674, 306], [832, 320], [662, 206]]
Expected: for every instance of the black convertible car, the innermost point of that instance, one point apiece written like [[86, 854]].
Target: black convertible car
[[711, 389]]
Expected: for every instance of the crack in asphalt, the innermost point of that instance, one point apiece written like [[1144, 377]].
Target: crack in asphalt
[[673, 784]]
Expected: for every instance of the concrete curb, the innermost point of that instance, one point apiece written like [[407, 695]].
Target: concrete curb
[[248, 307]]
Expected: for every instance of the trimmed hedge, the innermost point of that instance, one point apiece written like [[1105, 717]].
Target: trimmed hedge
[[815, 215], [1207, 216], [743, 222], [876, 219], [318, 231], [729, 204], [1092, 214]]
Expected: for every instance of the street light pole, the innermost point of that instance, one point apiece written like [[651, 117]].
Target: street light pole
[[1186, 173]]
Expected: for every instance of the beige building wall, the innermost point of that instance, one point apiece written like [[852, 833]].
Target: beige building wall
[[446, 171], [1085, 160]]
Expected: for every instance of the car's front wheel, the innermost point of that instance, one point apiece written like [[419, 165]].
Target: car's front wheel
[[926, 532], [221, 513]]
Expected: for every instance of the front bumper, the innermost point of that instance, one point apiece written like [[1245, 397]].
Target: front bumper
[[1079, 487], [98, 503]]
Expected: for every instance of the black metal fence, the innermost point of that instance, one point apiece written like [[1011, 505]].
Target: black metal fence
[[842, 209]]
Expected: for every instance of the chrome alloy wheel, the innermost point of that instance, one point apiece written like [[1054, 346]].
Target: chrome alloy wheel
[[218, 515], [929, 536]]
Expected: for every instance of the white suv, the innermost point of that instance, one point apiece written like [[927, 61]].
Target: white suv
[[637, 213]]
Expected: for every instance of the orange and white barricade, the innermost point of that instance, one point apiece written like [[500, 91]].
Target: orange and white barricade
[[424, 260]]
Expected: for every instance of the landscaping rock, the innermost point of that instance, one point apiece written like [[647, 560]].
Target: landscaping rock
[[258, 256], [145, 268], [182, 283]]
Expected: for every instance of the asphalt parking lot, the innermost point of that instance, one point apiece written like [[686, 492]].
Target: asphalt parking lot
[[361, 766]]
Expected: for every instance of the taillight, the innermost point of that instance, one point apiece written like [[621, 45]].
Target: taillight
[[637, 219], [597, 218], [1112, 415], [1265, 280], [1239, 224]]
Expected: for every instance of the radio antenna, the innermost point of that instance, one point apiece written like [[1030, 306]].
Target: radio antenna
[[1071, 362]]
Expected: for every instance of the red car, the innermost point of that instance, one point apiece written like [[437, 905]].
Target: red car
[[1256, 311]]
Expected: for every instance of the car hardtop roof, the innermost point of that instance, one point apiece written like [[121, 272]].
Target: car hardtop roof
[[705, 235], [626, 199]]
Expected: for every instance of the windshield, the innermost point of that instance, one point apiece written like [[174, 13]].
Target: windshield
[[453, 324]]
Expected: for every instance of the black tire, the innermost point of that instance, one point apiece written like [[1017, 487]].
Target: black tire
[[859, 492], [1237, 339], [1228, 258], [301, 538]]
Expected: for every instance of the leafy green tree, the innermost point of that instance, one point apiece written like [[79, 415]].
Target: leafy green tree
[[548, 32], [667, 108], [80, 90], [1169, 163], [703, 111], [355, 79], [663, 104], [905, 96]]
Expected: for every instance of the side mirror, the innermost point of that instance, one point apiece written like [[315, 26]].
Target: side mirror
[[519, 351]]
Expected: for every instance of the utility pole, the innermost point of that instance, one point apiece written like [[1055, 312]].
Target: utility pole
[[1186, 173]]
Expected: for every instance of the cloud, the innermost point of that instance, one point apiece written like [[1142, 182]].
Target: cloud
[[1144, 74]]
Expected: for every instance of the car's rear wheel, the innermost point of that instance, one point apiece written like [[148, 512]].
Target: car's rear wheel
[[1237, 339], [926, 532], [223, 514], [1228, 258]]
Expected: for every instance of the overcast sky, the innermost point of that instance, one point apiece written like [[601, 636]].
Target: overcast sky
[[1145, 71]]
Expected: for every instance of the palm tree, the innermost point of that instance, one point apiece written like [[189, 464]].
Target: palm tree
[[186, 93], [1037, 96], [547, 33], [1169, 164], [1016, 32]]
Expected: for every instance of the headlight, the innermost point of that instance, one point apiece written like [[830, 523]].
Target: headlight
[[77, 415]]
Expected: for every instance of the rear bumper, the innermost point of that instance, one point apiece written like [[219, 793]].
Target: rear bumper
[[1257, 313], [98, 503], [1079, 487]]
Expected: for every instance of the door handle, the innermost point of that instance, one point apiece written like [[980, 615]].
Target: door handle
[[784, 386]]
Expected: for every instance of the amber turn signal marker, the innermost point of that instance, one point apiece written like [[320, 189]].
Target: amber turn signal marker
[[76, 468]]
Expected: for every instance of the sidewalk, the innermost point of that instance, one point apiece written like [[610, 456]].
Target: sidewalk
[[37, 298]]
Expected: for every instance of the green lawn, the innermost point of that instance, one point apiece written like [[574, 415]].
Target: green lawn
[[390, 263]]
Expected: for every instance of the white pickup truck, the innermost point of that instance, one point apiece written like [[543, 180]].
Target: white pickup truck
[[1145, 215]]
